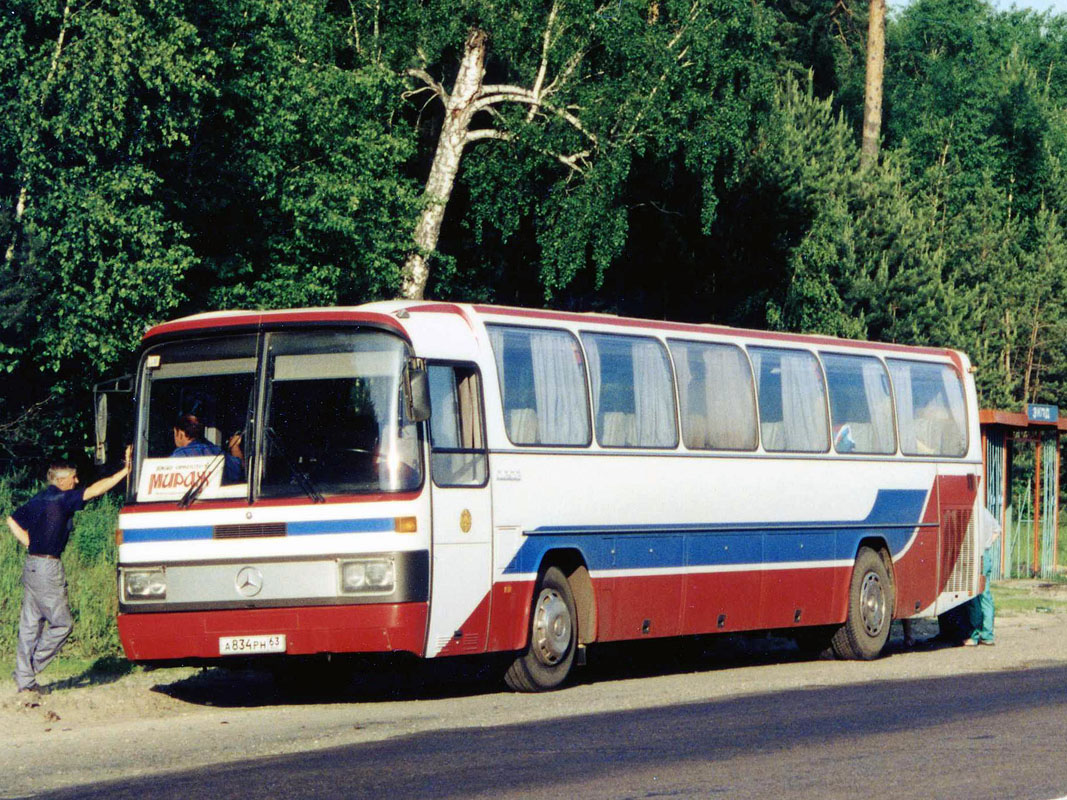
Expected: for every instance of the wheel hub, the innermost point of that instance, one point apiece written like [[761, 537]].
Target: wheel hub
[[552, 628], [872, 604]]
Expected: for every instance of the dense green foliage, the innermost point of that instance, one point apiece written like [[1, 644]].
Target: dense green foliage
[[698, 160]]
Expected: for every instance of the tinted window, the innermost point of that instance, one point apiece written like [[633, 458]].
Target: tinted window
[[458, 455], [335, 420]]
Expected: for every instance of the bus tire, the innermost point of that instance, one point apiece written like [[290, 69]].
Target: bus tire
[[870, 609], [549, 655]]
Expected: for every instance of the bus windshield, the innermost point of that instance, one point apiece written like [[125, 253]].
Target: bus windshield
[[335, 420], [333, 417]]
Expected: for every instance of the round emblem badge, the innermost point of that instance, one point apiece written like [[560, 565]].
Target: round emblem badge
[[465, 521], [249, 581]]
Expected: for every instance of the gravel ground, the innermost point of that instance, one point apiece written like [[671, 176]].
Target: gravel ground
[[149, 722]]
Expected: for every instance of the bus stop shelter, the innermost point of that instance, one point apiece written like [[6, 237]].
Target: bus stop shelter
[[1021, 459]]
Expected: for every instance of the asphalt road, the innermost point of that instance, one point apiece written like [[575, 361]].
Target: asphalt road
[[989, 735]]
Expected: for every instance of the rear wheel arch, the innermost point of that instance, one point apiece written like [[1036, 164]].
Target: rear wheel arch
[[572, 564]]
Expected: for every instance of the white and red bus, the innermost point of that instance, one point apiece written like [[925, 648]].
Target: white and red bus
[[447, 479]]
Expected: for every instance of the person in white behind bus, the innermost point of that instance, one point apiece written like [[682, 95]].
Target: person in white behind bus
[[980, 608]]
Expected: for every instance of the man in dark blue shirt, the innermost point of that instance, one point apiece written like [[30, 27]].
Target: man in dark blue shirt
[[189, 441], [43, 526]]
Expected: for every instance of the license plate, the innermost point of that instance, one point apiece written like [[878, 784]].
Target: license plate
[[251, 645]]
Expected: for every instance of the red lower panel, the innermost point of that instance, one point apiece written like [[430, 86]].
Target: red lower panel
[[320, 629], [509, 624], [638, 606], [796, 597]]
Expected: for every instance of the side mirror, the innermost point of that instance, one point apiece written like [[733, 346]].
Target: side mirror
[[417, 390], [102, 412]]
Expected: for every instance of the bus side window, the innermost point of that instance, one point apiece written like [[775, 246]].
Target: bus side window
[[633, 391], [716, 395], [792, 401], [861, 408], [542, 385], [931, 410], [457, 433]]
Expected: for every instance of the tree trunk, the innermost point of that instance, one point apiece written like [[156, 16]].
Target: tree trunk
[[459, 110], [20, 203], [872, 107]]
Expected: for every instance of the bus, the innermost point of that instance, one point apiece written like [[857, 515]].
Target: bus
[[447, 479]]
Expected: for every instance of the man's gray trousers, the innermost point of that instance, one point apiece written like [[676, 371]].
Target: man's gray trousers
[[45, 622]]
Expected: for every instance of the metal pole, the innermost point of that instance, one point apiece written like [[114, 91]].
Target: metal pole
[[1036, 566]]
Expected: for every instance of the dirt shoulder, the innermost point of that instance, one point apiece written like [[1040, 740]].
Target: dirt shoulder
[[147, 722]]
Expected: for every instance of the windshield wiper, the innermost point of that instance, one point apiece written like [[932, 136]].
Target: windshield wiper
[[195, 490], [301, 478]]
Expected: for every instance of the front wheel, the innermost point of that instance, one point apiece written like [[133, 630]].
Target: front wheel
[[870, 609], [549, 656]]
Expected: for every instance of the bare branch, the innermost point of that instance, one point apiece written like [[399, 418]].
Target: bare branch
[[426, 78], [488, 133], [546, 45], [494, 95]]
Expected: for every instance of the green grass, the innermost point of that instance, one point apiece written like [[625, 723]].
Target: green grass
[[1009, 599], [89, 561]]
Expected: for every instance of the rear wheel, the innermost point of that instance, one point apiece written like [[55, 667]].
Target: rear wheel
[[549, 656], [870, 609]]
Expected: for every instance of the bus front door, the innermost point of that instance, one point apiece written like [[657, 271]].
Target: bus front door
[[461, 513]]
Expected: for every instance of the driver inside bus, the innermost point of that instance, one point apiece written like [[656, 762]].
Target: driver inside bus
[[189, 441]]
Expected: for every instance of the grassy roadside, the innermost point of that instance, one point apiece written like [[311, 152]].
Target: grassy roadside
[[1030, 596]]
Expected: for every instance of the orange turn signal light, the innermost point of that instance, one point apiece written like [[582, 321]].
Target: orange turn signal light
[[406, 525]]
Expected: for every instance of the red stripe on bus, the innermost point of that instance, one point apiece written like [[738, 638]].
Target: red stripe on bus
[[266, 318]]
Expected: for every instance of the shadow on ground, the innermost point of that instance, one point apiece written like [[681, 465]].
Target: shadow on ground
[[102, 671], [363, 679]]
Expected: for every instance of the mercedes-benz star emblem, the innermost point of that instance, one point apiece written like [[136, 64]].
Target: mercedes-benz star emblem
[[249, 581]]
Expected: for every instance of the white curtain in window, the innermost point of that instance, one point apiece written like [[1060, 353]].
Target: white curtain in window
[[496, 340], [592, 355], [803, 404], [559, 389], [692, 418], [902, 389], [954, 435], [731, 412], [653, 395], [880, 404], [954, 392]]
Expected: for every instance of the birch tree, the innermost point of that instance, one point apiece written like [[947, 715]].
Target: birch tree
[[575, 92]]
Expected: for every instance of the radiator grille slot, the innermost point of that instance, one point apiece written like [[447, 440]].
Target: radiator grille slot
[[954, 529], [250, 531]]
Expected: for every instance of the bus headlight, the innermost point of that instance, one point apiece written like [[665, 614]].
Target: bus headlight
[[368, 576], [144, 584]]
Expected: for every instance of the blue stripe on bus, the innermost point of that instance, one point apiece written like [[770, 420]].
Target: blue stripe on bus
[[894, 516], [296, 528], [379, 525]]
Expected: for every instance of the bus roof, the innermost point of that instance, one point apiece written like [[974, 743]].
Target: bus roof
[[391, 314]]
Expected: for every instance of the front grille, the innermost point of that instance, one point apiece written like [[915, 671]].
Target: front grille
[[249, 531]]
